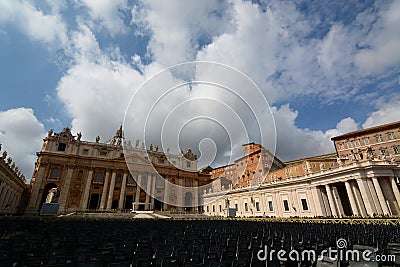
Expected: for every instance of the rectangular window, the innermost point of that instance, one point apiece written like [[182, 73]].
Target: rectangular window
[[313, 165], [349, 145], [213, 208], [220, 208], [246, 207], [271, 207], [257, 206], [188, 164], [341, 146], [286, 205], [103, 153], [390, 136], [208, 209], [384, 152], [357, 143], [236, 206], [85, 151], [332, 164], [396, 149], [304, 204], [378, 138], [366, 140], [61, 147]]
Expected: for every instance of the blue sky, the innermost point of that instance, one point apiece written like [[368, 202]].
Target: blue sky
[[325, 67]]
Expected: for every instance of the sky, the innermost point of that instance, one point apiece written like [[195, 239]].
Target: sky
[[324, 67]]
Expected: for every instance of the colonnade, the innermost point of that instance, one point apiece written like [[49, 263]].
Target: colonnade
[[365, 196], [9, 198]]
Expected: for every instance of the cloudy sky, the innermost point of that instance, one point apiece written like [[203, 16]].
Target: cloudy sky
[[325, 67]]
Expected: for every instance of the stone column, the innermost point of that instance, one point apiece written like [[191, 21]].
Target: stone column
[[350, 194], [33, 202], [137, 196], [111, 192], [104, 193], [317, 201], [276, 204], [165, 199], [326, 208], [65, 188], [2, 195], [359, 201], [148, 191], [375, 201], [366, 196], [381, 197], [152, 190], [331, 200], [85, 198], [395, 190], [122, 193]]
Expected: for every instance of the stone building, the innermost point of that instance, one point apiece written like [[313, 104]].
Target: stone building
[[99, 176], [251, 168], [363, 180], [382, 141], [13, 187]]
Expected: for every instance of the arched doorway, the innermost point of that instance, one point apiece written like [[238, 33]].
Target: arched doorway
[[46, 190], [188, 201]]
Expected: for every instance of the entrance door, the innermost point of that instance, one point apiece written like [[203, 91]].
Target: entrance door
[[128, 202], [94, 201], [188, 201], [157, 204]]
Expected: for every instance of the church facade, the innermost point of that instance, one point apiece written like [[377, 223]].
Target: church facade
[[82, 175]]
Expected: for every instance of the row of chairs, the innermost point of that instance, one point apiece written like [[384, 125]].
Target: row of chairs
[[62, 242]]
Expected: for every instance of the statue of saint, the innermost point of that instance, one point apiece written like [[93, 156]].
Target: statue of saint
[[137, 143], [151, 147], [4, 155], [156, 148], [322, 166], [50, 133], [97, 139], [79, 136], [9, 160], [50, 195]]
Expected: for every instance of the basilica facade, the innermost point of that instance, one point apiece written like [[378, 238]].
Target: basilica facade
[[84, 175]]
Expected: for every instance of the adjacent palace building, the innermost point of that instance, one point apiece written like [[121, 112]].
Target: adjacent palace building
[[361, 179]]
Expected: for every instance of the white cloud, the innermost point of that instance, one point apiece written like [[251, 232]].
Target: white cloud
[[382, 43], [108, 13], [294, 142], [178, 29], [21, 135], [96, 89], [387, 112], [47, 28]]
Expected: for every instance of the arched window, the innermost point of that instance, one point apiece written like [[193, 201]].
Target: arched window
[[54, 173], [188, 183], [99, 177]]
